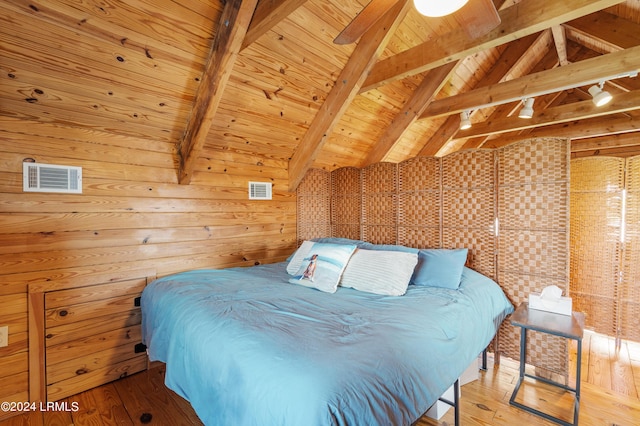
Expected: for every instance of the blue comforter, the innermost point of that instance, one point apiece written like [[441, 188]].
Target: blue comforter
[[245, 347]]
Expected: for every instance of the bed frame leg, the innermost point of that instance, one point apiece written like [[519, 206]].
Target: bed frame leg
[[484, 360], [456, 402]]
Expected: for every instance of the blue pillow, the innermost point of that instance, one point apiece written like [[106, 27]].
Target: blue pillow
[[440, 267]]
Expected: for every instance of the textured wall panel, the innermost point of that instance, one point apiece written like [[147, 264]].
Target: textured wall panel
[[380, 203], [314, 205], [419, 207], [469, 206], [533, 242], [629, 318]]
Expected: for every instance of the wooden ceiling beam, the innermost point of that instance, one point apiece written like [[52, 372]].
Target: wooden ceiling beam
[[268, 14], [579, 129], [232, 28], [513, 55], [620, 151], [411, 110], [604, 145], [576, 74], [519, 20], [346, 88], [560, 41], [622, 102], [610, 30], [548, 61]]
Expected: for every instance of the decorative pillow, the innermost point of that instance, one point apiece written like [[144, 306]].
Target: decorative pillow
[[340, 240], [440, 267], [297, 257], [380, 272], [320, 265]]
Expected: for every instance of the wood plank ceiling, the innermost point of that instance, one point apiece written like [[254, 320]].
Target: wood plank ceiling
[[198, 78]]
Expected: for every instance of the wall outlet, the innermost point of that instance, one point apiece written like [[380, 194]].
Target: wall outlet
[[4, 336]]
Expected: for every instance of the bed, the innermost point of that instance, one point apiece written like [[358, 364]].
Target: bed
[[248, 346]]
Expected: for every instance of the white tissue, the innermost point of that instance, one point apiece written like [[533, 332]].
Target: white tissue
[[551, 293], [551, 300]]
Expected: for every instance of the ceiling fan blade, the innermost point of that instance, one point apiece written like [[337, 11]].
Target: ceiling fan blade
[[364, 20], [478, 17]]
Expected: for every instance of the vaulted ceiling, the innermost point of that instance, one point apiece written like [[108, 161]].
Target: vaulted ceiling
[[202, 78]]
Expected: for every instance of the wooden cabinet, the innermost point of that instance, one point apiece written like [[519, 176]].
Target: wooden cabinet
[[87, 335]]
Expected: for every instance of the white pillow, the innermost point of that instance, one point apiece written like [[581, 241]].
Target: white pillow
[[381, 272], [320, 265], [298, 257]]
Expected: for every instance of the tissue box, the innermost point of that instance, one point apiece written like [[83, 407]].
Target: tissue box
[[561, 306]]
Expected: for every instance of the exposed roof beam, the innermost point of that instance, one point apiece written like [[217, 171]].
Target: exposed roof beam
[[622, 102], [582, 129], [268, 14], [560, 40], [232, 28], [411, 110], [519, 20], [610, 30], [346, 88], [626, 143], [513, 55], [576, 74]]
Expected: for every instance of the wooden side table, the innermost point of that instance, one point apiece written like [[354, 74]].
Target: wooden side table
[[568, 326]]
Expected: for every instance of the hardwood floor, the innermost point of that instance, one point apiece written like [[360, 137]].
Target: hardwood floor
[[610, 396]]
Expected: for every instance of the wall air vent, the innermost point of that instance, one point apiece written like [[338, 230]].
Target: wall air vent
[[51, 178], [259, 190]]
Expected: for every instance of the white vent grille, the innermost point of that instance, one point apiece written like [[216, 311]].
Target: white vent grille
[[259, 190], [51, 178]]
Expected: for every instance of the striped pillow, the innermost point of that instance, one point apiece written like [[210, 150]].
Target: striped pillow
[[381, 272]]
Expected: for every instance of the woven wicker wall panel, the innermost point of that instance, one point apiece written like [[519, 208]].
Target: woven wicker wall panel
[[419, 209], [353, 232], [597, 174], [534, 160], [419, 202], [346, 209], [380, 234], [380, 203], [532, 252], [468, 208], [469, 169], [535, 206], [630, 294], [346, 203], [420, 174], [481, 244], [419, 236], [314, 205], [596, 255], [544, 351], [533, 241], [380, 178], [315, 182], [346, 181]]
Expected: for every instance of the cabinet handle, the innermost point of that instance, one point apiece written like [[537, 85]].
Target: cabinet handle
[[81, 371], [63, 313]]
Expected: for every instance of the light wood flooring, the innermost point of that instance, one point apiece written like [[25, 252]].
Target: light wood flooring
[[610, 389]]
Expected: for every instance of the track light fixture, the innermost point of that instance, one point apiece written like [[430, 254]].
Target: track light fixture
[[600, 97], [465, 122], [435, 8], [527, 109]]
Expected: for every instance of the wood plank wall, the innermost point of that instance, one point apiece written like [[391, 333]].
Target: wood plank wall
[[132, 214]]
